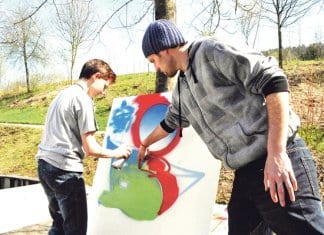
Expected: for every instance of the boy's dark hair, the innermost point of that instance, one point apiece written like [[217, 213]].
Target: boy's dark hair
[[96, 65]]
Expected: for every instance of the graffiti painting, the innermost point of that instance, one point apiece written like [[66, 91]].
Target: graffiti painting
[[174, 171]]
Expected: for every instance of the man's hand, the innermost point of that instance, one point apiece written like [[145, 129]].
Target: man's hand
[[143, 151], [278, 176], [124, 151]]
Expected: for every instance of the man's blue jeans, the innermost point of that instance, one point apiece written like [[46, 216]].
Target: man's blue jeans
[[251, 206], [66, 195]]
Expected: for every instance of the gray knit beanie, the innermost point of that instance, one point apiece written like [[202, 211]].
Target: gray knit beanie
[[161, 35]]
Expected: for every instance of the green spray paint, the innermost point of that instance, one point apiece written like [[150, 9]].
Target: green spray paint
[[133, 192]]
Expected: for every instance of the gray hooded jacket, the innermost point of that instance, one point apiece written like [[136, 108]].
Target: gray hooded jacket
[[221, 97]]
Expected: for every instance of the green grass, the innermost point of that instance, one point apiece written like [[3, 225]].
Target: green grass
[[314, 137], [18, 149], [26, 115], [31, 108]]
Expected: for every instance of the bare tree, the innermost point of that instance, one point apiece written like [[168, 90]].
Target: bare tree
[[75, 22], [130, 18], [76, 26], [209, 17], [30, 15], [249, 18], [284, 13], [23, 42]]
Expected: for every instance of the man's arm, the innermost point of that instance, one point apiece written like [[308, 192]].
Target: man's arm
[[278, 172], [157, 134], [93, 148]]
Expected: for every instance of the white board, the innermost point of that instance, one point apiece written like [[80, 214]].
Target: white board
[[175, 194]]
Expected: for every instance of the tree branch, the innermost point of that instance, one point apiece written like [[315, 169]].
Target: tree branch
[[114, 13], [33, 13]]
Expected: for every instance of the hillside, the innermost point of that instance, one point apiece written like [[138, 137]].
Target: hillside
[[17, 106], [19, 145]]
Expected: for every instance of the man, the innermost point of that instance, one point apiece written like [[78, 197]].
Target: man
[[69, 132], [237, 100]]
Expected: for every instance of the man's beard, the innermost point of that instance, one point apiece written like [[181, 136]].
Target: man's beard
[[170, 75]]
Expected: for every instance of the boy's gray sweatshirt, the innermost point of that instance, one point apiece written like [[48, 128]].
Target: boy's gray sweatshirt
[[221, 97]]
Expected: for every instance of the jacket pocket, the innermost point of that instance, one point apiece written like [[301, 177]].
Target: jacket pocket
[[244, 148]]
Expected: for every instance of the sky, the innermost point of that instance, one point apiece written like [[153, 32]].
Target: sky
[[122, 49], [127, 57]]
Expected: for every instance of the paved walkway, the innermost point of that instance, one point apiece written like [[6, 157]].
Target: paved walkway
[[218, 225], [22, 125], [22, 206], [37, 229], [24, 212], [31, 126]]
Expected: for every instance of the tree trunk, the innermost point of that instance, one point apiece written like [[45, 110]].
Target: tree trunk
[[26, 71], [73, 58], [164, 9], [279, 32], [280, 46]]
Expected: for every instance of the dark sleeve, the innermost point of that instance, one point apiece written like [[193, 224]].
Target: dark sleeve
[[166, 127], [277, 84]]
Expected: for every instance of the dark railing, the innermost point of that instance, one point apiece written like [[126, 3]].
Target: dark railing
[[16, 181]]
